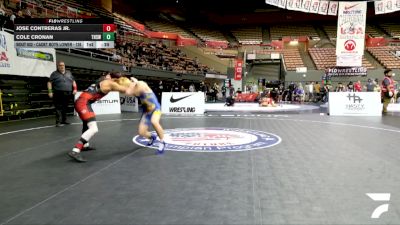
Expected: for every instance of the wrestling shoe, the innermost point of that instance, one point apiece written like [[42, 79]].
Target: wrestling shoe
[[88, 148], [76, 156], [161, 148], [152, 139]]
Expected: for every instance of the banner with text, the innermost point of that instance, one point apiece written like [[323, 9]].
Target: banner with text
[[238, 69], [351, 32], [355, 104], [25, 61], [346, 71], [129, 103], [183, 102], [109, 104], [387, 6]]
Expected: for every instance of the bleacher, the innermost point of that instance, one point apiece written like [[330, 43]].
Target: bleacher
[[373, 31], [248, 35], [326, 58], [24, 97], [166, 26], [127, 24], [155, 55], [331, 31], [292, 58], [52, 9], [280, 31], [207, 34], [386, 56], [393, 29]]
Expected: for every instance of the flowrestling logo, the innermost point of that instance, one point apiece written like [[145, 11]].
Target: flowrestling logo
[[213, 139]]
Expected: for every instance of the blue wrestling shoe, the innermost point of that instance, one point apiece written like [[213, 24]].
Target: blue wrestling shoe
[[161, 148], [152, 139]]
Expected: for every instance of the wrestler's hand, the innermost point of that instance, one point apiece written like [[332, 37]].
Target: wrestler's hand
[[133, 79]]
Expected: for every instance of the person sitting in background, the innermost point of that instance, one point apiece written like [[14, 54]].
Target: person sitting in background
[[370, 86], [357, 86], [377, 87], [350, 87], [340, 88]]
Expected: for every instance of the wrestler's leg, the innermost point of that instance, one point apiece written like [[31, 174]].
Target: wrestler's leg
[[85, 137], [155, 121]]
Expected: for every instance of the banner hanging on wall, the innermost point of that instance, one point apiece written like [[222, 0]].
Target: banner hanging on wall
[[238, 69], [351, 33], [346, 71], [25, 61]]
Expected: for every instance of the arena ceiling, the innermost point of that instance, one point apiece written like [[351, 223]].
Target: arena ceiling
[[227, 12]]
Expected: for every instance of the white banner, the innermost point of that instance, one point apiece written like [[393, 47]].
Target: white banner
[[25, 61], [379, 9], [290, 4], [183, 103], [297, 5], [129, 103], [390, 6], [282, 4], [333, 8], [355, 104], [351, 32], [386, 6], [109, 104], [349, 60], [306, 5], [275, 2], [314, 6], [323, 7]]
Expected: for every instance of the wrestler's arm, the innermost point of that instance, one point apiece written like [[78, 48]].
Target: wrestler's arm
[[130, 91]]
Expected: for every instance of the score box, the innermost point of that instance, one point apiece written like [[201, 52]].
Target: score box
[[108, 36], [108, 27]]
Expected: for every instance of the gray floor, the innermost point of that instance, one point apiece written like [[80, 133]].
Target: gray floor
[[319, 173]]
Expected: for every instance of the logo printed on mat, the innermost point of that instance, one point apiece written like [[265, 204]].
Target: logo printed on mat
[[212, 139]]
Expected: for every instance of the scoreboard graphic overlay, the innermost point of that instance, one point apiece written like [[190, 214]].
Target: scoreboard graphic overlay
[[64, 33]]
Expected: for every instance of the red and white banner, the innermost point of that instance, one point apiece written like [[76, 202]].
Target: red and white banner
[[238, 69], [351, 31]]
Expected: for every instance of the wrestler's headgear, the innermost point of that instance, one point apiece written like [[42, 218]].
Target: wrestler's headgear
[[115, 75]]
